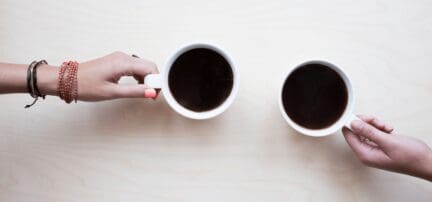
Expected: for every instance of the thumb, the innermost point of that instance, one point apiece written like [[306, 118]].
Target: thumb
[[134, 91]]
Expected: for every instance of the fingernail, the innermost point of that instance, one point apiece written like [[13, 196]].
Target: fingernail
[[356, 125], [149, 93], [389, 129]]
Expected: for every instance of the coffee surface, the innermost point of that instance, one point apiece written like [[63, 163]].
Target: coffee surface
[[200, 79], [314, 96]]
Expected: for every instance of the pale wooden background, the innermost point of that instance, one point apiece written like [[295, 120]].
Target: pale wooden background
[[140, 150]]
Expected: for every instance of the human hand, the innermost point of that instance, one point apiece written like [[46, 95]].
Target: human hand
[[98, 79], [375, 144]]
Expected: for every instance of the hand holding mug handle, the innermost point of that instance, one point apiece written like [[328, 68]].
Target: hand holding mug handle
[[151, 80], [376, 145], [377, 123]]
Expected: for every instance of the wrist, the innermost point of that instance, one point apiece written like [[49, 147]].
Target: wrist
[[47, 79]]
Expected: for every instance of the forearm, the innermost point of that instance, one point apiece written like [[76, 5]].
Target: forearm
[[13, 78]]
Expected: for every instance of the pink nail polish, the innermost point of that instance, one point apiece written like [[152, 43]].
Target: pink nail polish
[[150, 93]]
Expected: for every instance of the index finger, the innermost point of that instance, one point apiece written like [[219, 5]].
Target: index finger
[[368, 154], [140, 74], [381, 125], [369, 131], [142, 67]]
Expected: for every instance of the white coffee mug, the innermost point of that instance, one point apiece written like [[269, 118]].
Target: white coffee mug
[[160, 81], [347, 116]]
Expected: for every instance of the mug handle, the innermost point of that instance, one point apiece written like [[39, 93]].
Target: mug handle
[[153, 80], [350, 120]]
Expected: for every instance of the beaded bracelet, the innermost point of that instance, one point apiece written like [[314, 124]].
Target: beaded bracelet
[[67, 87]]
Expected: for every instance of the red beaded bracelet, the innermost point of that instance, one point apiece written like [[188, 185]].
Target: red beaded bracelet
[[67, 87]]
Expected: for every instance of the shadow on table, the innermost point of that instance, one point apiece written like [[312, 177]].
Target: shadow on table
[[146, 118]]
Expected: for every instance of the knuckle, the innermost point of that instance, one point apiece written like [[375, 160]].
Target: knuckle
[[118, 56], [118, 53], [367, 130], [362, 128]]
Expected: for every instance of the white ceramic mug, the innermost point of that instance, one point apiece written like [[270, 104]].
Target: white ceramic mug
[[346, 118], [160, 81]]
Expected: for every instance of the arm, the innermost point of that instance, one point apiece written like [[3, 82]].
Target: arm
[[97, 79], [13, 78], [377, 146]]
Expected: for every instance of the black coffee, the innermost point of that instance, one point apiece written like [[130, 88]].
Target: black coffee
[[314, 96], [200, 79]]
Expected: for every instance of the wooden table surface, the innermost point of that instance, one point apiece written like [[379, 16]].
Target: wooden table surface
[[141, 150]]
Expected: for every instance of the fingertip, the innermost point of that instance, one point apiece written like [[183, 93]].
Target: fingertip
[[389, 129], [381, 125], [150, 93]]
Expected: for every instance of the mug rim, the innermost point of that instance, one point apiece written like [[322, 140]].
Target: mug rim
[[187, 112], [346, 116]]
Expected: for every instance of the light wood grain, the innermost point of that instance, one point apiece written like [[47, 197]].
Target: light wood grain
[[140, 150]]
